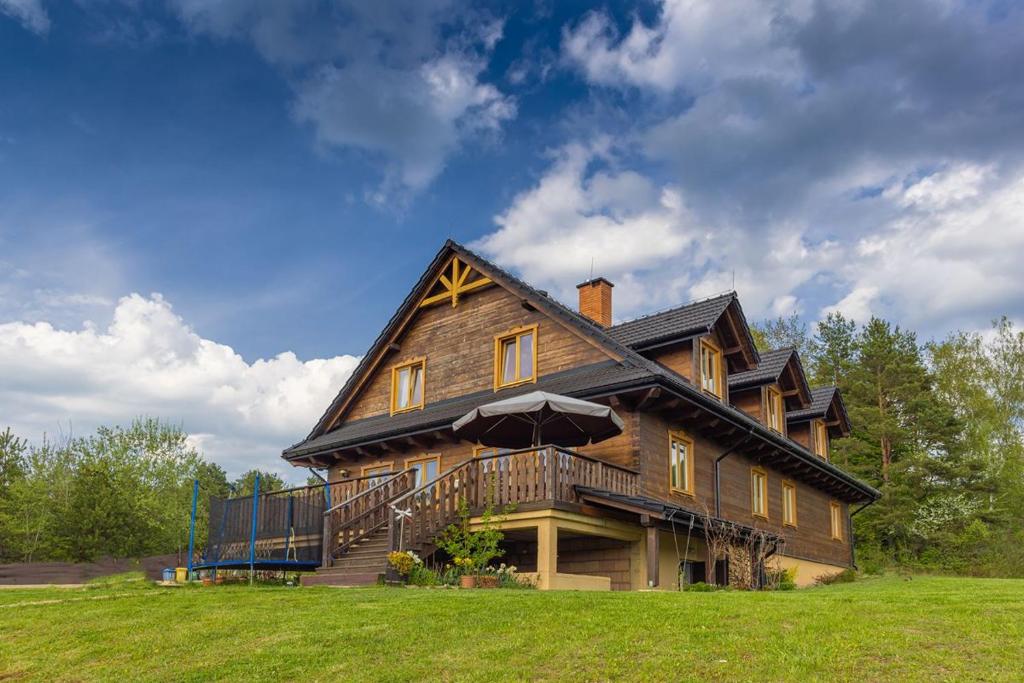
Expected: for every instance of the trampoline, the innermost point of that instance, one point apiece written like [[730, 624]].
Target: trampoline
[[267, 531]]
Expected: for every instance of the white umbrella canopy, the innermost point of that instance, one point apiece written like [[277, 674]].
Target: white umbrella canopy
[[538, 418]]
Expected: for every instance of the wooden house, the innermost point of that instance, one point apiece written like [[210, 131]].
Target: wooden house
[[717, 437]]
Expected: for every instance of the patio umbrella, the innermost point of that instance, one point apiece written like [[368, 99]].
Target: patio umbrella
[[538, 418]]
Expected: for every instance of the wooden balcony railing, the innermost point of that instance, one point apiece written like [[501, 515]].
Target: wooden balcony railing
[[533, 475]]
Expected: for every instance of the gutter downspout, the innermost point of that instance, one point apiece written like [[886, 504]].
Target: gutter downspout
[[853, 538], [718, 487]]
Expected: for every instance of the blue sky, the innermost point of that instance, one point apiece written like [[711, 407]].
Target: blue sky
[[190, 190]]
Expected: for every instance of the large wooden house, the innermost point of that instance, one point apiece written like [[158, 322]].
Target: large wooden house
[[717, 436]]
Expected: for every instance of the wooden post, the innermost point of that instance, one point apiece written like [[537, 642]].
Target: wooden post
[[547, 553], [652, 557], [552, 460]]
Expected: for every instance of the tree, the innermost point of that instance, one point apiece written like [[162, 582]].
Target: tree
[[781, 333], [832, 351], [12, 473], [245, 484]]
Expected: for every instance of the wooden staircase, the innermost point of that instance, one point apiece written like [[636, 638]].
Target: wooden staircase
[[362, 564]]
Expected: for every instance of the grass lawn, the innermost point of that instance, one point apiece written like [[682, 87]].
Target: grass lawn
[[877, 629]]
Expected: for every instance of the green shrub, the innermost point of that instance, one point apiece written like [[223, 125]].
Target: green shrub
[[420, 575], [700, 587], [845, 576]]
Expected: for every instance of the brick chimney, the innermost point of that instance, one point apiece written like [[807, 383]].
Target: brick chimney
[[596, 300]]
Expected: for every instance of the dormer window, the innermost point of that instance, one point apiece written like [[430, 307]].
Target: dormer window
[[820, 439], [407, 385], [711, 375], [775, 411], [515, 357]]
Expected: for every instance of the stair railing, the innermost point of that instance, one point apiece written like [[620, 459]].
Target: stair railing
[[354, 519]]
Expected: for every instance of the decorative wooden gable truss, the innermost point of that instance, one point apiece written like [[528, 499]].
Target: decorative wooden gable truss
[[457, 278]]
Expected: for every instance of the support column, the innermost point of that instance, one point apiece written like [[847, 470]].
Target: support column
[[547, 553], [653, 557]]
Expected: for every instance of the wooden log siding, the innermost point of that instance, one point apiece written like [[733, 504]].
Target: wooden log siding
[[458, 344], [548, 474]]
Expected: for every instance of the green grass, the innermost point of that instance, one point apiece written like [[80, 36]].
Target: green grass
[[925, 628]]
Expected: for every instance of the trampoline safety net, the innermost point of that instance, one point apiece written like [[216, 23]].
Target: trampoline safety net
[[288, 530]]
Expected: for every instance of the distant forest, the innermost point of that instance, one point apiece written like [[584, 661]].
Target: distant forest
[[937, 427]]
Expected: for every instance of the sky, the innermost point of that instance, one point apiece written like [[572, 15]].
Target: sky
[[208, 211]]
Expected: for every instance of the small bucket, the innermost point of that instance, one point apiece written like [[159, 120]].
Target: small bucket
[[181, 574]]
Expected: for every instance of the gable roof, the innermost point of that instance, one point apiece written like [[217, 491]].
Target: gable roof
[[537, 298], [773, 364], [635, 370], [822, 399], [697, 317]]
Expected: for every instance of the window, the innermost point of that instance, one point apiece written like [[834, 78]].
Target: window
[[821, 439], [376, 473], [711, 379], [759, 492], [427, 468], [680, 463], [515, 357], [775, 410], [836, 513], [789, 503], [407, 385]]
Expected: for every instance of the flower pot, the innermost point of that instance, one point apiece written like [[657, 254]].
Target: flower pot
[[487, 581], [467, 581]]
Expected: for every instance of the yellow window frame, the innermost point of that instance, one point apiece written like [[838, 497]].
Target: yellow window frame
[[499, 340], [821, 439], [835, 511], [789, 494], [715, 356], [430, 457], [759, 484], [395, 370], [686, 472], [775, 407]]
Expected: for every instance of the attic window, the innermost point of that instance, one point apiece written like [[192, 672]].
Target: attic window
[[821, 439], [711, 375], [515, 357], [407, 382], [774, 409]]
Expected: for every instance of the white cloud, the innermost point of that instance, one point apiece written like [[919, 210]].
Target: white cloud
[[415, 118], [952, 253], [692, 44], [150, 362], [641, 235], [30, 13], [402, 82]]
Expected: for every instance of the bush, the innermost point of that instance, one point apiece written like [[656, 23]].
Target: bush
[[404, 561], [781, 579], [471, 551], [420, 575], [701, 587], [845, 576]]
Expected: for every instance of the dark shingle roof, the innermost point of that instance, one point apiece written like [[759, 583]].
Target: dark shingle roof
[[674, 323], [821, 399], [768, 370], [679, 514]]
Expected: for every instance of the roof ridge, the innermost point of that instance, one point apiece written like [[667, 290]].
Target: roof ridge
[[731, 293]]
